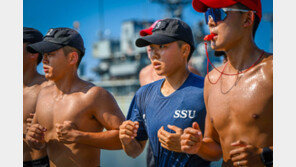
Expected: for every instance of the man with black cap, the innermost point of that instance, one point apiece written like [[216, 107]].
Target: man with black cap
[[239, 94], [147, 74], [71, 114], [32, 84], [162, 109]]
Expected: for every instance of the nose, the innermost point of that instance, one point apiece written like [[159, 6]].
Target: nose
[[154, 54], [45, 59], [211, 22]]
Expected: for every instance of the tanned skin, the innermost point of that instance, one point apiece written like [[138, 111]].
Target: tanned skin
[[71, 115], [239, 121], [33, 82], [148, 75]]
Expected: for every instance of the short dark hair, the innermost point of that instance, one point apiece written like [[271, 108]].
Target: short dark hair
[[181, 43], [256, 20], [69, 49]]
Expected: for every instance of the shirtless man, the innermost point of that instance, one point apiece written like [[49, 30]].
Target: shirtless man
[[32, 84], [240, 106], [71, 114]]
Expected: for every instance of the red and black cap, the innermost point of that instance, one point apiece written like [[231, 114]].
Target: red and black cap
[[203, 5], [57, 38], [148, 31], [167, 31]]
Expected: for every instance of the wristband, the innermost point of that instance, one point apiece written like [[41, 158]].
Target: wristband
[[267, 157]]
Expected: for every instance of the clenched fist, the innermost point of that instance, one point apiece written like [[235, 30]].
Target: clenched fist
[[191, 139], [67, 132], [35, 136], [128, 131]]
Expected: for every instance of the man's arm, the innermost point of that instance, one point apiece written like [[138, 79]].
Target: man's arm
[[207, 147], [35, 135], [127, 133], [108, 113]]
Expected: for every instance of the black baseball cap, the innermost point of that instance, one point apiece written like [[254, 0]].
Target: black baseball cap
[[57, 38], [167, 31], [31, 35]]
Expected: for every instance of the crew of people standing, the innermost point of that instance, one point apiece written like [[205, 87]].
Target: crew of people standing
[[189, 120]]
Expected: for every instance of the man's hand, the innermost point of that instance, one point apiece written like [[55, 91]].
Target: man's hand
[[67, 132], [128, 131], [191, 139], [245, 155], [170, 141], [29, 120], [35, 136]]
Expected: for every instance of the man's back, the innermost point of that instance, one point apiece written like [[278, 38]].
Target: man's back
[[240, 107]]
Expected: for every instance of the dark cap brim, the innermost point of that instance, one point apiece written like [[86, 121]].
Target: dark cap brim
[[43, 47], [157, 39]]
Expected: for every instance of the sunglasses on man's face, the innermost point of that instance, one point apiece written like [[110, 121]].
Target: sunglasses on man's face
[[219, 14]]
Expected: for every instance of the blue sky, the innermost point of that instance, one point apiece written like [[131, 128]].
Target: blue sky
[[45, 14]]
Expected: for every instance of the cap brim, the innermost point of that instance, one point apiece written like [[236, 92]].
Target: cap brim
[[157, 39], [43, 47], [203, 5]]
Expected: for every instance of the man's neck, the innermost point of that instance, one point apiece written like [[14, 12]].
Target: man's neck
[[29, 75], [174, 81], [67, 83], [243, 55]]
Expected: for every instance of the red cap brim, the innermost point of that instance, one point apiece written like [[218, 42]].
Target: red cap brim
[[203, 5]]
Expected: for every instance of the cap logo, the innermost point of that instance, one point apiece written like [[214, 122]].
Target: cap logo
[[160, 26], [50, 33], [157, 25]]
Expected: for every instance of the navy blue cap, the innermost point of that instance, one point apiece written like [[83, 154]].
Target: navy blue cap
[[167, 31], [31, 35], [57, 38]]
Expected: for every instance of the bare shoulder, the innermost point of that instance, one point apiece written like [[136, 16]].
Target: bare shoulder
[[145, 75], [96, 94], [146, 69], [267, 65]]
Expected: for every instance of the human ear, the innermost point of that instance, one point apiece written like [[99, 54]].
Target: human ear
[[73, 58], [185, 50], [249, 19]]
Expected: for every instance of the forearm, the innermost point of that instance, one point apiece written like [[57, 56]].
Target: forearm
[[108, 140], [210, 150], [134, 148]]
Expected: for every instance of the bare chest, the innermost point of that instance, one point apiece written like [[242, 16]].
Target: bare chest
[[239, 104], [52, 110]]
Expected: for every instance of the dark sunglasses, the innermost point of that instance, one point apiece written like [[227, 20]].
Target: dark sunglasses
[[219, 14]]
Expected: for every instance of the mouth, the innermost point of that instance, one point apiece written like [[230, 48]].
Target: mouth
[[45, 69], [156, 65], [215, 36]]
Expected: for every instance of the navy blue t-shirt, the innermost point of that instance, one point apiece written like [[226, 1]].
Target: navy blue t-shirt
[[181, 108]]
